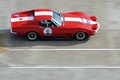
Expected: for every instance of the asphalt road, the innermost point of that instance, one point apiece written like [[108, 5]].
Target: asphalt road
[[59, 74], [15, 51]]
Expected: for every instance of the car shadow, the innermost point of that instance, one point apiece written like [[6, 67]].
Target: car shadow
[[11, 40]]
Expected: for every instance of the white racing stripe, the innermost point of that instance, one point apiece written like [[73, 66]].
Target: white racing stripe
[[93, 22], [43, 13], [29, 18], [19, 19], [73, 19], [82, 20]]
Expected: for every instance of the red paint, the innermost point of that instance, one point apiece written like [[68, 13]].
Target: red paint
[[67, 29]]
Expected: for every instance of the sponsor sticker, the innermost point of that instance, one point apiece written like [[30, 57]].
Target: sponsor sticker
[[47, 31]]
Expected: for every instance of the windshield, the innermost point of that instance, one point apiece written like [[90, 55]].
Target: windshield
[[57, 19]]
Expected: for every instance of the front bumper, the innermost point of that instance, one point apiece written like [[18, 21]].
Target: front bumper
[[97, 28]]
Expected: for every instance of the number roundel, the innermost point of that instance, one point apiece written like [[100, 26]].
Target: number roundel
[[47, 31]]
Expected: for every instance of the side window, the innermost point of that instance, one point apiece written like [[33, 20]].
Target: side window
[[43, 23], [50, 23], [46, 23]]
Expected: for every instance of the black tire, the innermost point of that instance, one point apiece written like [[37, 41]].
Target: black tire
[[81, 36], [32, 36]]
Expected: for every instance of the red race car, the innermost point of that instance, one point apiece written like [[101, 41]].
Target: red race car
[[45, 23]]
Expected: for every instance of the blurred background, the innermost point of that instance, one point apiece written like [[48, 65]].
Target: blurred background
[[108, 37]]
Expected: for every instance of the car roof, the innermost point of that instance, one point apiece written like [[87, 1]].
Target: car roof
[[43, 14]]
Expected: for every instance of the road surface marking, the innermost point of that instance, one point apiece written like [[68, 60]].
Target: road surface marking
[[65, 49], [83, 67]]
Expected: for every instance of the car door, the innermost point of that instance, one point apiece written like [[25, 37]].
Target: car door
[[49, 29]]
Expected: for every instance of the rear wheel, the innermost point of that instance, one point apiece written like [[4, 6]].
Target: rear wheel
[[81, 36], [32, 36]]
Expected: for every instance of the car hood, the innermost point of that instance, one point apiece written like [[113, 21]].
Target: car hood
[[70, 20]]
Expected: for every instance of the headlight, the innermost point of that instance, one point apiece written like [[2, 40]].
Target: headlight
[[94, 27], [93, 18]]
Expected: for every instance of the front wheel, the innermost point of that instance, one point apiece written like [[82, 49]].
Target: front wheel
[[32, 36], [81, 36]]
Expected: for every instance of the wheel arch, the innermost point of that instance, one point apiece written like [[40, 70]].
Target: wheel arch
[[85, 38], [81, 31], [32, 31]]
